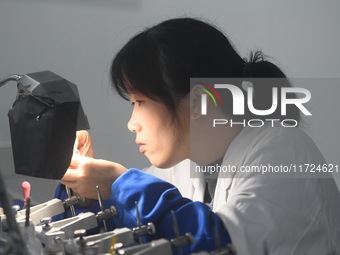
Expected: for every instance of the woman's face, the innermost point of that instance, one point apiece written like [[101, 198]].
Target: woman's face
[[162, 140]]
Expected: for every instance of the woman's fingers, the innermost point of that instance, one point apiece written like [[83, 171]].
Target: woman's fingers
[[75, 161], [70, 176], [85, 173], [83, 144], [73, 171]]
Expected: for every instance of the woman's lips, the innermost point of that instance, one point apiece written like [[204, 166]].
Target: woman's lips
[[142, 147]]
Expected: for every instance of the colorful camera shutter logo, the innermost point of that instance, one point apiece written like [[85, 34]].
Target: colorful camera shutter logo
[[215, 97]]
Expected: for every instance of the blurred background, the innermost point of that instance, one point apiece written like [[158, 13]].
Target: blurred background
[[77, 40]]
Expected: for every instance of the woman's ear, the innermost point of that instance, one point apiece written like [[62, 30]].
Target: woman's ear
[[195, 101]]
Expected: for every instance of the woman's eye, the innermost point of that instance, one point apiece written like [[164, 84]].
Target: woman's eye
[[139, 102]]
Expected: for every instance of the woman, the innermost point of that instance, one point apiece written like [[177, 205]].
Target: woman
[[259, 214]]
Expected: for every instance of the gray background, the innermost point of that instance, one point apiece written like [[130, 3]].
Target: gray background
[[77, 39]]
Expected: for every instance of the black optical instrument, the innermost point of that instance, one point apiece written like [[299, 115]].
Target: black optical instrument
[[43, 122]]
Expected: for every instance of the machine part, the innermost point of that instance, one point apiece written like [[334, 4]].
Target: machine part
[[13, 77], [68, 191], [48, 209], [107, 213], [68, 202], [46, 223], [149, 229], [15, 242], [100, 201], [53, 235], [160, 246], [103, 243], [47, 113]]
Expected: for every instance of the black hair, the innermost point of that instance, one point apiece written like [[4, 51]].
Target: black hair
[[159, 62]]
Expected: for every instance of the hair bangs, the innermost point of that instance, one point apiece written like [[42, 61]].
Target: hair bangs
[[135, 69]]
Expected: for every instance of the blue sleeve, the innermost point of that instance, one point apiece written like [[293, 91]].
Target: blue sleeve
[[61, 194], [156, 199]]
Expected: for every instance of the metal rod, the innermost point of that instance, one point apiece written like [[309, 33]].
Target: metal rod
[[101, 206], [138, 221], [13, 77], [68, 191], [176, 229]]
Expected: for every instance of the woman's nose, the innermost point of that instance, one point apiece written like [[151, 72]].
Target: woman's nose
[[133, 125]]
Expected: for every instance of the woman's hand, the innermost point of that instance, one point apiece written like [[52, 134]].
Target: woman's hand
[[85, 173], [83, 144]]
